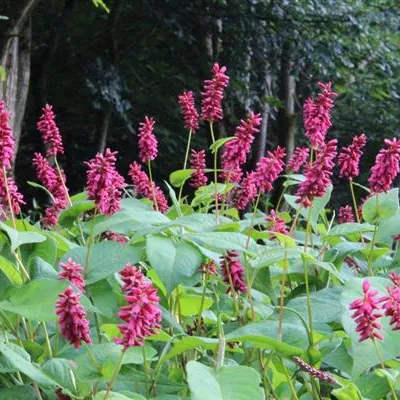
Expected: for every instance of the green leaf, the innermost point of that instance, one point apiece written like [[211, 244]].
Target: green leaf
[[219, 143], [105, 259], [317, 208], [60, 370], [388, 228], [41, 269], [25, 392], [179, 177], [119, 396], [227, 383], [10, 271], [381, 206], [349, 392], [190, 304], [35, 300], [68, 216], [349, 228], [19, 238], [264, 334], [175, 263], [3, 72], [26, 367]]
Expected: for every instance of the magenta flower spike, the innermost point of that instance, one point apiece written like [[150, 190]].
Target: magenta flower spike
[[72, 318], [366, 313], [16, 198], [213, 93], [391, 306], [386, 167], [298, 159], [317, 115], [316, 373], [104, 184], [50, 133], [6, 138], [72, 272], [142, 315], [188, 110], [345, 214], [276, 224], [147, 140], [198, 163], [349, 157], [233, 272]]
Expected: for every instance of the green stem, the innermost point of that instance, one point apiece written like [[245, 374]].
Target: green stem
[[370, 272], [152, 185], [46, 335], [145, 370], [354, 200], [185, 162], [380, 357], [90, 243], [215, 174], [280, 199], [203, 297], [289, 381], [114, 375]]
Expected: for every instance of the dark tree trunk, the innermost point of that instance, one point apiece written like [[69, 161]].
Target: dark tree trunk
[[16, 59], [286, 113], [105, 115]]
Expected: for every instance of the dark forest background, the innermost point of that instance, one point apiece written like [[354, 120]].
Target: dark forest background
[[104, 66]]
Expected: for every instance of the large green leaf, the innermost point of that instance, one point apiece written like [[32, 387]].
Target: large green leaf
[[10, 271], [24, 392], [350, 228], [18, 238], [68, 216], [265, 334], [61, 371], [175, 263], [381, 206], [227, 383], [105, 259]]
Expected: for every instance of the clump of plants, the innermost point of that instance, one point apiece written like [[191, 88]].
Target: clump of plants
[[138, 291]]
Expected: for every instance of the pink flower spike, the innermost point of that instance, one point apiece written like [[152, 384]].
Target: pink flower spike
[[268, 170], [349, 158], [213, 93], [72, 318], [298, 159], [104, 183], [144, 187], [6, 138], [395, 278], [386, 168], [345, 214], [236, 150], [391, 306], [366, 314], [277, 224], [147, 140], [142, 315], [316, 373], [247, 191], [233, 272], [50, 132], [198, 163], [189, 112], [115, 237], [72, 272], [318, 174], [317, 115], [17, 200]]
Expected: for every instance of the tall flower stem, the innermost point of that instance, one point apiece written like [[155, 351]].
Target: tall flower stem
[[145, 370], [185, 162], [370, 272], [215, 173], [90, 242], [114, 375], [289, 380], [380, 357], [67, 195], [354, 200], [282, 295], [46, 335], [152, 184]]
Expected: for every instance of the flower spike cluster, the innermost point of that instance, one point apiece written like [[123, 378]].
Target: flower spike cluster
[[147, 140], [142, 315], [386, 167], [316, 373], [144, 187], [349, 157], [276, 224], [317, 115], [104, 184], [247, 191], [189, 112], [391, 306], [6, 138], [366, 313], [213, 93], [51, 180], [236, 150], [14, 199], [72, 272], [72, 318], [345, 214], [233, 272], [198, 163], [318, 174], [50, 133], [298, 159]]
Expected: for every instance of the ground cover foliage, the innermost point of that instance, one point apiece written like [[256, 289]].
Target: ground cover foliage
[[195, 288]]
